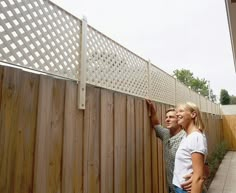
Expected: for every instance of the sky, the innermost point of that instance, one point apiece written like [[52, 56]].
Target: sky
[[172, 34]]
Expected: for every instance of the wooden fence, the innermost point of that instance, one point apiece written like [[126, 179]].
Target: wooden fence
[[47, 145], [229, 126]]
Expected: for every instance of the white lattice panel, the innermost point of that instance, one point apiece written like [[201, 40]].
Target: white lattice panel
[[218, 110], [194, 97], [39, 35], [214, 108], [162, 86], [182, 93], [203, 104], [209, 106], [111, 66]]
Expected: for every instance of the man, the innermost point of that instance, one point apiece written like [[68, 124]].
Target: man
[[171, 137]]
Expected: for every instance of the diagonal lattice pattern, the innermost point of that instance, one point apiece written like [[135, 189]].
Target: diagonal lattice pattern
[[112, 66], [182, 93], [203, 104], [37, 34], [162, 86], [194, 97]]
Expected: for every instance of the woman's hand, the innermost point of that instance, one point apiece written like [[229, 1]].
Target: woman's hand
[[187, 185]]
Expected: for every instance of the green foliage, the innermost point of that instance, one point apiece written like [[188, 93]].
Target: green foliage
[[232, 99], [184, 76], [198, 85], [224, 97], [217, 156]]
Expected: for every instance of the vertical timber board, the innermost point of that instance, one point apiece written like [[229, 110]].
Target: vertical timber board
[[43, 124], [72, 142], [166, 189], [163, 116], [214, 127], [232, 122], [155, 182], [159, 150], [130, 146], [229, 127], [56, 137], [91, 150], [204, 119], [1, 83], [147, 151], [48, 156], [120, 143], [107, 142], [17, 129], [226, 131], [139, 144], [79, 145], [220, 121], [218, 125], [210, 132]]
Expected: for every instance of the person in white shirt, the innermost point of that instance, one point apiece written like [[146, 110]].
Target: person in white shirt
[[192, 150]]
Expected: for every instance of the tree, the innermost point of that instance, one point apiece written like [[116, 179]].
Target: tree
[[232, 99], [184, 76], [212, 96], [224, 97], [198, 85]]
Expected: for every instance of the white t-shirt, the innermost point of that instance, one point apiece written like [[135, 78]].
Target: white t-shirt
[[192, 143]]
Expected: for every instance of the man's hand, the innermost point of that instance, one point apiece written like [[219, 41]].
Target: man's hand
[[153, 112], [151, 106], [187, 185]]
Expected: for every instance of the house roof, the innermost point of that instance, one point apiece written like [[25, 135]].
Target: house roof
[[231, 14]]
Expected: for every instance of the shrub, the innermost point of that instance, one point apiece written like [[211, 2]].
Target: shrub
[[215, 159]]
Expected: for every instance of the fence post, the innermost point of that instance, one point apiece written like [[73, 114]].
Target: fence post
[[149, 81], [83, 65]]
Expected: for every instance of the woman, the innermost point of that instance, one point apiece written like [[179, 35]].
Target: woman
[[192, 151]]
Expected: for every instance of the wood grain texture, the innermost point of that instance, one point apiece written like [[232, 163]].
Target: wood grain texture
[[17, 129], [48, 156], [48, 145], [131, 169], [107, 142], [139, 145], [155, 169], [92, 142], [147, 150], [229, 128], [120, 143], [72, 173]]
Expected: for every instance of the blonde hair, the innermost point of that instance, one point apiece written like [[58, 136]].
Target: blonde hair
[[198, 119]]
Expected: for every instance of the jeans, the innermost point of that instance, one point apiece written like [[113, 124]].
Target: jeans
[[179, 190]]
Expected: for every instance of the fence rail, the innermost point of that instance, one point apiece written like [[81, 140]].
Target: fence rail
[[39, 35]]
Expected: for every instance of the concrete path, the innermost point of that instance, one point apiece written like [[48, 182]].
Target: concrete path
[[225, 178]]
